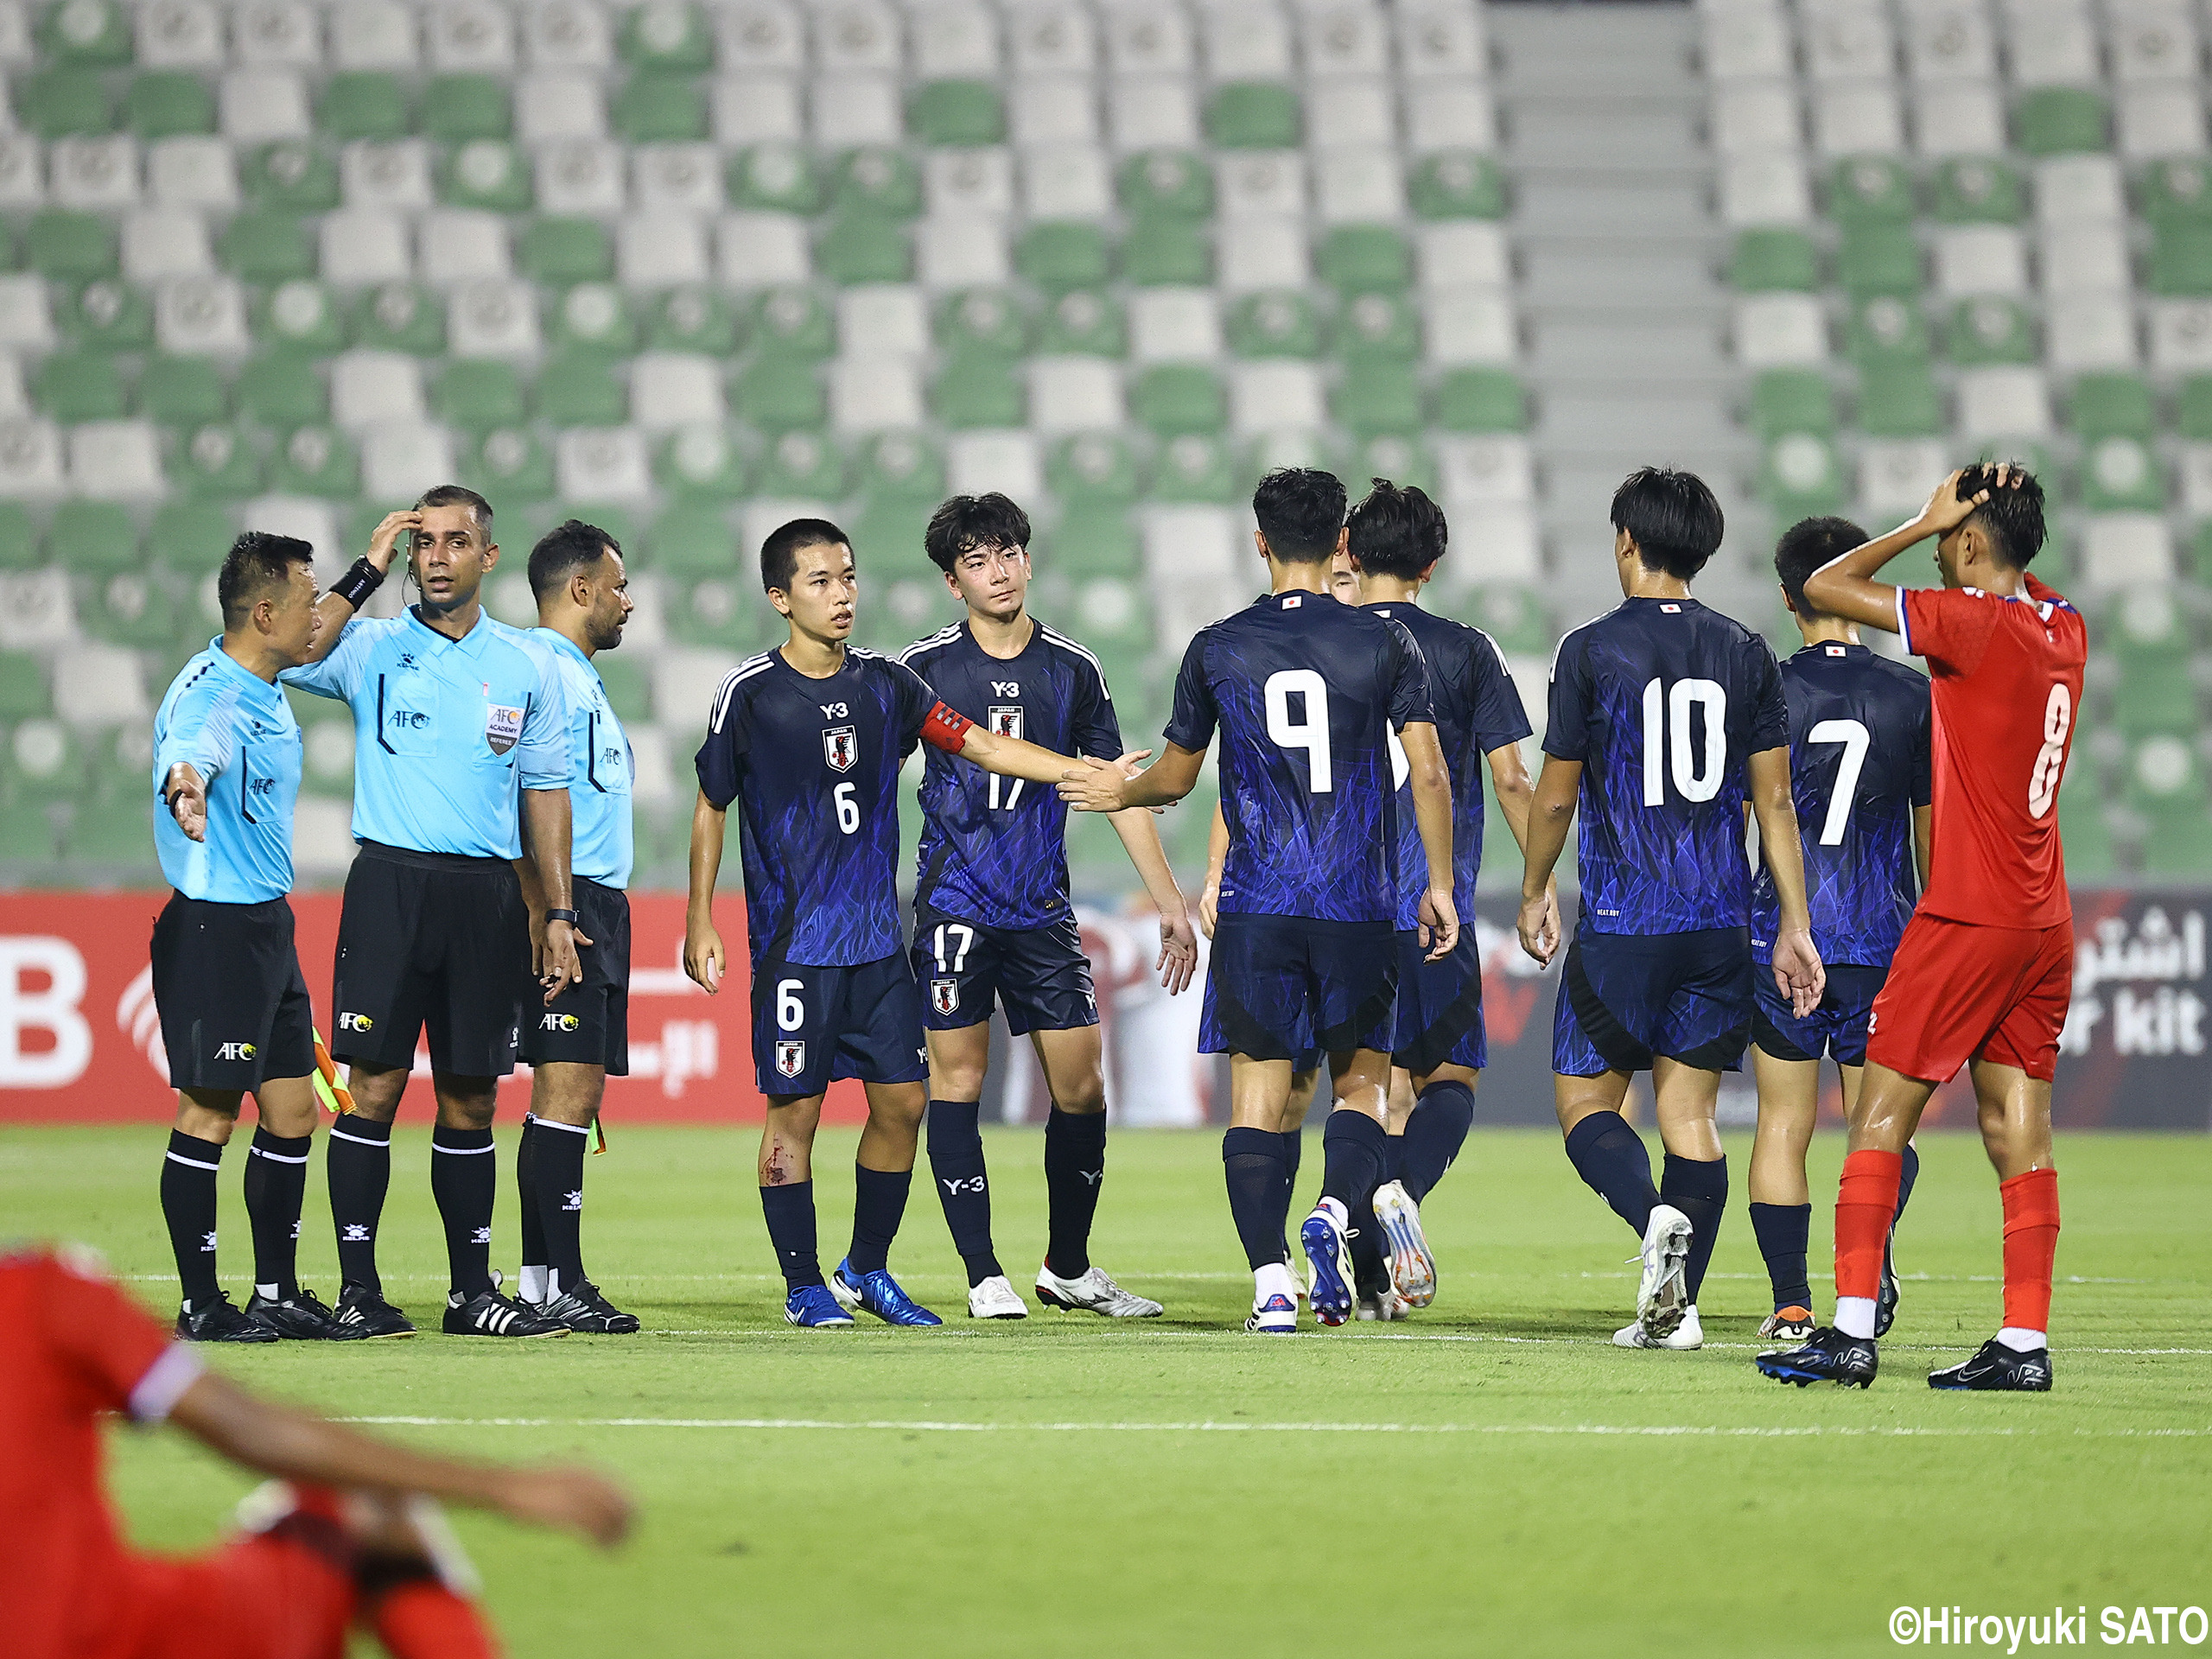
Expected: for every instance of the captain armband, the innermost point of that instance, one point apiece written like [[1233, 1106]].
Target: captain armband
[[946, 728]]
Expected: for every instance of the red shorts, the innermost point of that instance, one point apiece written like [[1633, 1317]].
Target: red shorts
[[1959, 991], [259, 1598]]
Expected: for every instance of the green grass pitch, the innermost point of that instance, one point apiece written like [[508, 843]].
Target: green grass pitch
[[1492, 1477]]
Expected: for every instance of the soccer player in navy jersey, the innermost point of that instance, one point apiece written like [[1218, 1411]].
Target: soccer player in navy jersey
[[1306, 691], [1664, 713], [993, 924], [807, 741], [1858, 748]]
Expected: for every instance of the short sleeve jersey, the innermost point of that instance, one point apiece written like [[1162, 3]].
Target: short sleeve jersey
[[1664, 701], [1859, 764], [2006, 679], [1306, 691], [602, 843], [77, 1348], [1477, 709], [447, 733], [813, 768], [237, 730], [993, 849]]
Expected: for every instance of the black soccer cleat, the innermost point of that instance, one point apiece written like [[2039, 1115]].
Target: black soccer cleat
[[1999, 1369], [303, 1317], [219, 1320], [1885, 1298], [366, 1310], [1828, 1356], [582, 1308], [488, 1313]]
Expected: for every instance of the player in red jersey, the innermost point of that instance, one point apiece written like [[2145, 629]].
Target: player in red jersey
[[352, 1541], [1985, 969]]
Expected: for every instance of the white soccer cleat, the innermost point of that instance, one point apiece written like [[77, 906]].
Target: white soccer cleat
[[1094, 1291], [1686, 1335], [1413, 1269], [995, 1299], [1383, 1305], [1661, 1295], [1276, 1316]]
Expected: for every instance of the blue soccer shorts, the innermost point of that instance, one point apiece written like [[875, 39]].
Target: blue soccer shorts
[[1038, 975], [1626, 998], [1836, 1030], [812, 1025], [1282, 988], [1439, 1006]]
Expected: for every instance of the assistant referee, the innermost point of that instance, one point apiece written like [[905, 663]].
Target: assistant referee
[[460, 735]]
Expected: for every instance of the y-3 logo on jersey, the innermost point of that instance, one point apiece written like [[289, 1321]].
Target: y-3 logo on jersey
[[841, 748], [1006, 722], [1005, 688]]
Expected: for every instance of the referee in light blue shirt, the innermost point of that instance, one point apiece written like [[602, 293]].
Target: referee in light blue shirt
[[460, 738], [234, 1012], [582, 1037]]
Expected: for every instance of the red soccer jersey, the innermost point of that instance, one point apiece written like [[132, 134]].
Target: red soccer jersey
[[2007, 680], [76, 1347]]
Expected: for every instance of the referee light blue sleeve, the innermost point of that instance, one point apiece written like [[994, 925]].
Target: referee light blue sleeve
[[199, 727], [542, 758], [338, 675]]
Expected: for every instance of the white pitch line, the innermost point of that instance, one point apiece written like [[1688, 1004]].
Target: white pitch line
[[1144, 1334]]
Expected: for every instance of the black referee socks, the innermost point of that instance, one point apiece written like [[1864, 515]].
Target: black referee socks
[[464, 1179], [359, 1169], [1075, 1168], [963, 1187], [557, 1182], [275, 1186], [188, 1205]]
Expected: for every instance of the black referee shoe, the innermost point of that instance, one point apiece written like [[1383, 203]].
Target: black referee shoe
[[366, 1310], [582, 1308], [1997, 1367], [302, 1316], [218, 1320], [488, 1313], [1828, 1356]]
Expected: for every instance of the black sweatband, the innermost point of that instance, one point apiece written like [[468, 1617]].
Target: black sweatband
[[568, 916], [358, 584]]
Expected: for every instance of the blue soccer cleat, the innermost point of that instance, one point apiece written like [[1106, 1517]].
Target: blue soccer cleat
[[878, 1293], [811, 1307], [1327, 1239], [1276, 1317]]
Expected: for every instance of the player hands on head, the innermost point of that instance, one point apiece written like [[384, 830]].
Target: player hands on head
[[346, 1536], [1984, 972], [1665, 718], [807, 741], [1305, 692]]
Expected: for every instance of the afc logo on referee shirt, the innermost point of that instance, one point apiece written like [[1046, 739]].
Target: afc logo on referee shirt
[[790, 1058], [841, 747], [1006, 722]]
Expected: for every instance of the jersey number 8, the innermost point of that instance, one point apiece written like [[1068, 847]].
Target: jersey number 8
[[1697, 777], [2051, 760]]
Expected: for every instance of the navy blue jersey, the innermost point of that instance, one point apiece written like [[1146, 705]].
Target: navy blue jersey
[[1858, 747], [1664, 701], [995, 849], [813, 766], [1306, 692], [1477, 709]]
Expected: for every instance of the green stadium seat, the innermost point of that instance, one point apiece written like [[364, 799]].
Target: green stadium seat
[[1274, 325], [216, 460], [561, 250], [1365, 259], [1167, 253], [132, 609], [109, 314], [1481, 400], [283, 389], [1084, 322], [2109, 405], [2179, 844], [508, 464], [1173, 398], [1195, 468], [191, 536], [178, 391], [42, 762], [2177, 192], [121, 764], [1456, 184], [720, 610], [1514, 618], [93, 538], [861, 248], [24, 693], [2060, 120], [1093, 472], [1096, 541], [693, 319], [700, 463], [1771, 261], [72, 386], [979, 389], [792, 323], [659, 107], [1792, 400], [364, 104], [667, 37], [295, 174], [111, 842], [64, 103], [1113, 618], [1060, 256], [957, 112], [982, 322], [1377, 326], [315, 459], [69, 247], [807, 466], [1878, 259], [695, 540], [902, 466], [2181, 258], [618, 522], [579, 387], [1271, 450], [1989, 330], [628, 683], [1978, 191], [1166, 184], [879, 179], [2193, 409], [463, 109], [401, 317], [778, 178], [1254, 114], [1899, 400], [1375, 396], [1886, 329], [168, 103], [779, 394], [95, 33], [300, 317], [27, 836], [594, 317], [268, 246], [1870, 190], [489, 174], [18, 551], [2083, 829], [891, 525], [1799, 477]]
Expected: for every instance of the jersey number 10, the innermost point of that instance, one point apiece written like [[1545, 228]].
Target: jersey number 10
[[1667, 727]]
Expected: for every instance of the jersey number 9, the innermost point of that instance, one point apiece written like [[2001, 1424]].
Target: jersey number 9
[[1697, 777], [1310, 732]]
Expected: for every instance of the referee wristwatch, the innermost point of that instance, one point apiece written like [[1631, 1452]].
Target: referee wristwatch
[[568, 916]]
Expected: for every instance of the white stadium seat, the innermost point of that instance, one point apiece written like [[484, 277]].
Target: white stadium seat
[[758, 35], [199, 314], [759, 250], [661, 249], [2050, 42], [160, 242], [1052, 110], [1857, 118], [605, 463], [756, 109], [874, 394], [469, 36], [1246, 39], [1781, 331], [1467, 252], [1147, 37], [883, 319], [372, 35], [1256, 253], [674, 389], [262, 105], [192, 172], [856, 107], [967, 249], [2084, 259], [1344, 37], [30, 465], [566, 35], [1066, 181], [1276, 396], [1748, 43], [1469, 324], [584, 177], [22, 182], [493, 318], [968, 180], [96, 684], [1171, 325], [362, 245], [394, 175], [1756, 117], [2121, 549], [111, 460], [2071, 189], [1767, 188], [25, 319], [1049, 36], [684, 178], [1152, 112], [2153, 41], [1074, 394], [1449, 115], [1977, 259], [1270, 182], [180, 34], [953, 39], [978, 462], [94, 174], [2181, 336], [1958, 117], [552, 103], [1441, 37], [1350, 110], [1486, 470], [1948, 39], [2160, 120], [2090, 331], [1848, 40], [1359, 187], [2006, 402], [460, 246], [1894, 473], [370, 389]]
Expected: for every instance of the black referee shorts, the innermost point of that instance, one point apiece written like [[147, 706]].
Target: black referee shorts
[[589, 1022], [233, 1002], [431, 939]]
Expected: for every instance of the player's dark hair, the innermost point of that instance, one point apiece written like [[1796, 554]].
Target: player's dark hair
[[457, 495], [1804, 547], [779, 553], [968, 522], [1301, 509], [562, 551], [256, 562], [2013, 516], [1396, 531], [1676, 521]]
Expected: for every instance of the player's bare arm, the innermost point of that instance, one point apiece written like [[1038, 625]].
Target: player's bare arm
[[1217, 856], [1846, 587], [1178, 946], [1551, 813], [704, 959], [1109, 789], [186, 791], [1797, 968], [336, 608], [1516, 793], [545, 828], [1431, 782], [534, 901], [1014, 757]]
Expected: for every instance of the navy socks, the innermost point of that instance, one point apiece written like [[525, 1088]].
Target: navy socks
[[1700, 1190], [790, 1213], [1782, 1229], [879, 1202], [955, 1145], [1251, 1162], [1074, 1167], [1613, 1161], [1435, 1130]]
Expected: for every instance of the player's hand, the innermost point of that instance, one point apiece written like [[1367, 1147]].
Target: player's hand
[[703, 959], [537, 943], [1798, 972], [1547, 929], [572, 1500], [384, 544], [1945, 512], [1094, 786], [1210, 907], [1179, 952], [187, 792], [1130, 762], [559, 965], [1538, 925], [1439, 922]]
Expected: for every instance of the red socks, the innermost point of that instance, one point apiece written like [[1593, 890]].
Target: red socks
[[1865, 1205], [422, 1619], [2031, 1245]]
